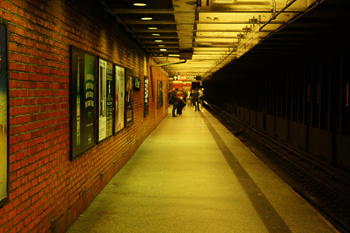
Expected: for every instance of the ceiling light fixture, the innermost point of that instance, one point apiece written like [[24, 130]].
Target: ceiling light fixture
[[140, 3], [161, 45], [163, 49], [155, 34], [146, 18], [158, 40], [152, 28]]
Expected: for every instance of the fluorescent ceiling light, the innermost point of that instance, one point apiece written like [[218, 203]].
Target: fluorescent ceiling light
[[140, 3], [163, 49], [155, 34], [161, 45], [158, 40], [152, 28], [146, 18]]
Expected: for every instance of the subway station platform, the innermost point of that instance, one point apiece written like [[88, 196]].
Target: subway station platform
[[192, 175]]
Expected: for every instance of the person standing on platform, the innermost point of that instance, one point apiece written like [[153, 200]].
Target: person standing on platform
[[195, 99], [191, 97], [184, 95], [173, 100], [181, 103], [200, 97]]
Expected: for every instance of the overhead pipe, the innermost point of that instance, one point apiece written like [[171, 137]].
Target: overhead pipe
[[222, 60], [274, 16], [311, 7]]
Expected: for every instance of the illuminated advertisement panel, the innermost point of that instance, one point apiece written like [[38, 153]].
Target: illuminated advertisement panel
[[106, 99], [129, 96], [119, 98]]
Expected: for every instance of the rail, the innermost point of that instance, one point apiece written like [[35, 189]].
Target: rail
[[327, 189]]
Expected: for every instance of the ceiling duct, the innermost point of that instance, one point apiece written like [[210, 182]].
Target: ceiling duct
[[186, 54]]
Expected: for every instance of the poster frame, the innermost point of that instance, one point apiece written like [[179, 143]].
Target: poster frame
[[72, 93], [160, 94], [146, 96], [137, 84], [5, 199], [129, 90], [98, 99], [116, 105]]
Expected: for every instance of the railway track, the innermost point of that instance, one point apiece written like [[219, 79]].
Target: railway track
[[326, 188]]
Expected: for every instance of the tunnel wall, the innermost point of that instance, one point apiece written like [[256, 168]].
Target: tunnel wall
[[48, 191], [302, 100]]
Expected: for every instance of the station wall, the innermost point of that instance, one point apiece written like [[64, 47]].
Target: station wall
[[48, 191]]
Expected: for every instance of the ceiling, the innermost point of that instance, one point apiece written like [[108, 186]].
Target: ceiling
[[200, 37]]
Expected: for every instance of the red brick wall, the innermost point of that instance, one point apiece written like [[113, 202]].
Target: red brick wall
[[47, 191]]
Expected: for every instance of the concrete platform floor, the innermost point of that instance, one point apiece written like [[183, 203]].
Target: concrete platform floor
[[192, 175]]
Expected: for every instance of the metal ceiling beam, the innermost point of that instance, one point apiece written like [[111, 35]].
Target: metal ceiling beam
[[143, 11], [157, 37], [163, 52], [230, 30], [215, 37], [164, 42], [238, 22], [213, 53], [149, 11], [147, 22], [217, 46], [154, 31], [119, 21], [165, 46], [154, 22], [242, 11], [191, 69]]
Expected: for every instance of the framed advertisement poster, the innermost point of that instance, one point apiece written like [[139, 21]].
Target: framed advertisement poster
[[105, 99], [146, 106], [159, 94], [4, 117], [137, 84], [82, 101], [129, 95], [119, 98]]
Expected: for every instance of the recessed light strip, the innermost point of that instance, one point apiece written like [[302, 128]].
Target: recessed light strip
[[140, 3]]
